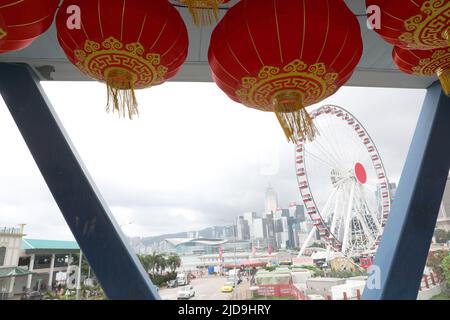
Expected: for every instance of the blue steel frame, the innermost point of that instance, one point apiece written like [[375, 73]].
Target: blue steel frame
[[93, 226], [402, 253], [407, 236]]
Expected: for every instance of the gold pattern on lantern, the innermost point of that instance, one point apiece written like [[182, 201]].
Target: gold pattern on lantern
[[124, 68], [429, 66], [3, 33], [96, 58], [287, 92], [312, 81], [430, 29], [438, 64]]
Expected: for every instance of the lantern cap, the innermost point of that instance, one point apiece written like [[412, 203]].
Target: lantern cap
[[293, 117], [121, 96]]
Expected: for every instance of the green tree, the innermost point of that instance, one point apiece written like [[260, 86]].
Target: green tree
[[161, 263], [144, 261], [434, 261], [157, 263], [148, 261], [446, 269], [173, 262]]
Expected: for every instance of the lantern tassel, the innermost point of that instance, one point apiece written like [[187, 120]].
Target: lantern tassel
[[293, 117], [444, 77], [122, 101], [203, 12], [121, 97]]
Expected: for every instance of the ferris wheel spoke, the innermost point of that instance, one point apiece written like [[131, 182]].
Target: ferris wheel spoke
[[325, 211], [361, 218], [372, 215], [328, 155], [363, 154], [334, 222], [326, 143], [324, 161], [348, 220]]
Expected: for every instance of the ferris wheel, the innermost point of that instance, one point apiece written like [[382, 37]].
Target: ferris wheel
[[343, 184]]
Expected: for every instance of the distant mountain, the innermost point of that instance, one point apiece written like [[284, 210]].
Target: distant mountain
[[148, 241]]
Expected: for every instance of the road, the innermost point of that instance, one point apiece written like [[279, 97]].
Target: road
[[207, 288]]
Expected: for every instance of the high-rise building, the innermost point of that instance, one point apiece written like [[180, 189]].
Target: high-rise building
[[229, 232], [283, 236], [259, 228], [250, 217], [270, 230], [281, 213], [297, 212], [242, 229], [392, 191], [271, 201]]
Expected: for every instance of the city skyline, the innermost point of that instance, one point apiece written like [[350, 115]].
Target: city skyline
[[218, 168]]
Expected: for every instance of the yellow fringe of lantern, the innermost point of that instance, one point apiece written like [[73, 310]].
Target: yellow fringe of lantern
[[203, 12], [293, 117], [121, 96], [444, 77]]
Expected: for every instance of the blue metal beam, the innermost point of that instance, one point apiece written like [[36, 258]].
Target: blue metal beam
[[93, 226], [407, 236]]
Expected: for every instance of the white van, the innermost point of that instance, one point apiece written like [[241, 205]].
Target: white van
[[182, 279]]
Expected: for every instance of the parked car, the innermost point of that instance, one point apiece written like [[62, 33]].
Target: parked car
[[172, 283], [32, 295], [227, 287], [182, 279], [186, 292]]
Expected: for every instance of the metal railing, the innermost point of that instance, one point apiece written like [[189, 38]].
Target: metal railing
[[6, 230]]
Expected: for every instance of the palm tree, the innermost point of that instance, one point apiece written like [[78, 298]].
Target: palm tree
[[148, 261], [161, 263], [174, 262], [157, 262], [143, 260], [153, 261]]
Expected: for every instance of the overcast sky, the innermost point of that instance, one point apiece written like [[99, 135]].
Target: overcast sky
[[193, 159]]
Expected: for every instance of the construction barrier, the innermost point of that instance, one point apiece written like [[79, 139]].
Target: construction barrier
[[281, 290]]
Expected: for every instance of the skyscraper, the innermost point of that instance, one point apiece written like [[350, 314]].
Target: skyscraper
[[379, 195], [242, 228], [297, 212], [250, 217], [271, 201]]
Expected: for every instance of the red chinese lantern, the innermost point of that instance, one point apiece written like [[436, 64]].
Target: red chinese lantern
[[24, 21], [128, 44], [425, 63], [3, 31], [204, 12], [284, 55], [414, 24]]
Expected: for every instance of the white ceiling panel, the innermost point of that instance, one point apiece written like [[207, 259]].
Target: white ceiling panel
[[375, 69]]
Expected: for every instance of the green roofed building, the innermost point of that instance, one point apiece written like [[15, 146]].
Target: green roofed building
[[42, 246], [31, 264]]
